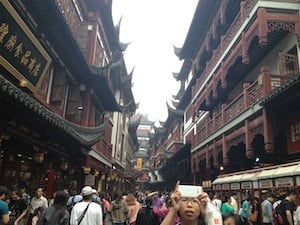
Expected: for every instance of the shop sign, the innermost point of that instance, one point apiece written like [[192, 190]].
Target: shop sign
[[298, 181], [21, 53], [235, 186], [218, 187], [225, 187], [246, 185], [265, 184], [89, 180], [284, 182]]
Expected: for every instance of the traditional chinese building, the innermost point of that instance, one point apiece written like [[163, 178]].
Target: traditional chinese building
[[62, 75], [242, 109]]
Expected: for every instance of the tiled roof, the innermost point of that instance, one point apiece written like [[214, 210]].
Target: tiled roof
[[293, 81], [86, 136]]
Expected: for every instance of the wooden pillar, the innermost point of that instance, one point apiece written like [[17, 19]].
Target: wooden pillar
[[268, 133], [246, 94], [86, 108], [248, 139], [224, 150], [265, 80], [215, 154], [245, 56], [207, 157], [262, 26]]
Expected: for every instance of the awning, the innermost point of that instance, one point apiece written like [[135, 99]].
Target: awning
[[221, 180], [235, 178], [266, 174], [249, 177], [287, 171]]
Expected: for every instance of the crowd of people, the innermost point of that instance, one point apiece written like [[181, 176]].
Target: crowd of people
[[145, 208]]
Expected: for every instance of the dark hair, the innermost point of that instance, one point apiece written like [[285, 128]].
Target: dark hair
[[37, 210], [117, 196], [60, 202], [291, 192], [148, 202], [60, 199], [226, 198], [17, 192], [3, 190], [236, 218], [39, 187]]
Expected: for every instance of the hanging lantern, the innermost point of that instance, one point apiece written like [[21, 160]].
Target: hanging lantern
[[96, 173], [39, 157], [86, 170], [64, 166]]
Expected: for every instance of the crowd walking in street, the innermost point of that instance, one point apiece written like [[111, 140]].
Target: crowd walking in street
[[146, 208]]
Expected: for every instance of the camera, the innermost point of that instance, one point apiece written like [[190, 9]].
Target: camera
[[190, 191]]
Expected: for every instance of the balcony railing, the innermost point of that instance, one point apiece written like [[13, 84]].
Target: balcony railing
[[246, 8], [252, 93]]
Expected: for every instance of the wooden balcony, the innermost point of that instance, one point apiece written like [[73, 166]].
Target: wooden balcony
[[251, 95], [175, 142], [226, 39]]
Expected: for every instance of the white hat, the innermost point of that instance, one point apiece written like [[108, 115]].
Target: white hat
[[94, 191], [87, 190]]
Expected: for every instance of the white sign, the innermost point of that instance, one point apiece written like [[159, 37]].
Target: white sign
[[265, 184], [225, 187], [298, 181], [218, 187], [246, 185], [89, 180], [235, 186], [284, 182]]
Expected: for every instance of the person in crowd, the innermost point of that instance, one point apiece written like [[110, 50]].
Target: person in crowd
[[226, 206], [133, 208], [118, 209], [245, 211], [72, 201], [146, 215], [287, 207], [37, 201], [297, 212], [17, 207], [105, 205], [190, 210], [234, 202], [86, 212], [24, 194], [216, 201], [36, 215], [267, 210], [3, 205], [57, 214], [231, 219], [254, 217], [157, 202], [163, 212]]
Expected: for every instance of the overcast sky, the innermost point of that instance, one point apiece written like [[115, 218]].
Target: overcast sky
[[153, 27]]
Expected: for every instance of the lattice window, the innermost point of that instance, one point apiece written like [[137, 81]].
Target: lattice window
[[288, 64]]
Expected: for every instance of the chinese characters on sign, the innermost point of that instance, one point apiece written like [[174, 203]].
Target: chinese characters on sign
[[21, 53]]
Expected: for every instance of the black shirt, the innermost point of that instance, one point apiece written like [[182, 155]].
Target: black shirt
[[286, 205]]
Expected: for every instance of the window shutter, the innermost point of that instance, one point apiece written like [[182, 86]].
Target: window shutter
[[288, 64], [58, 87]]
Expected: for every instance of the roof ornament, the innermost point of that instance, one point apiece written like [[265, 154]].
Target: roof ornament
[[177, 51]]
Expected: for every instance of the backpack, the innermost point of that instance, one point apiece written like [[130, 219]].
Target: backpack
[[277, 214]]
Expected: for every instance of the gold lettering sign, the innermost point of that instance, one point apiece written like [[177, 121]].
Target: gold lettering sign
[[21, 53]]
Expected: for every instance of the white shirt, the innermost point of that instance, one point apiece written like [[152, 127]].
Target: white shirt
[[93, 215], [217, 203], [38, 202]]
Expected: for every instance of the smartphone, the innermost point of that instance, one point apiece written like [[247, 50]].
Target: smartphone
[[190, 191]]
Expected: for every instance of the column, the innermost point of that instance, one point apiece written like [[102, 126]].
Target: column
[[268, 133], [248, 139]]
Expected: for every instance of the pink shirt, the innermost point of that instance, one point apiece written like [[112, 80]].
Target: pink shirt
[[133, 211], [162, 213]]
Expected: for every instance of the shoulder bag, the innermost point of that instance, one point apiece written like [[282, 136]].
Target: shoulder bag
[[83, 214]]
